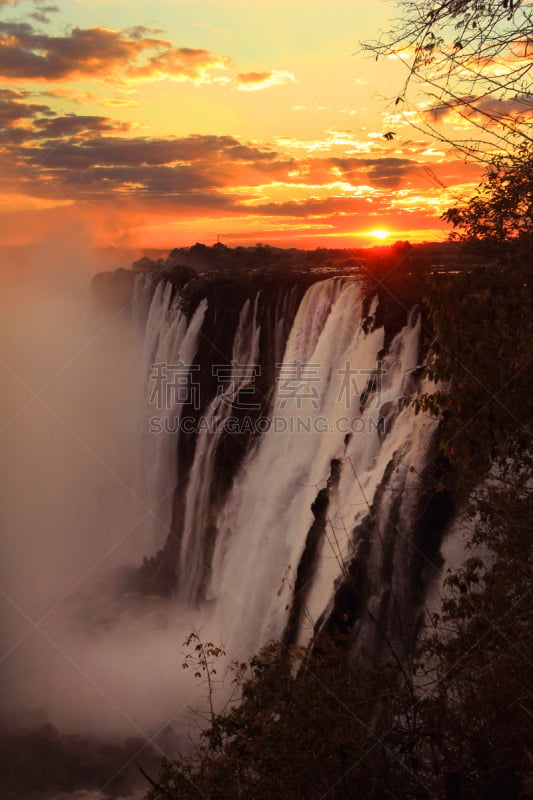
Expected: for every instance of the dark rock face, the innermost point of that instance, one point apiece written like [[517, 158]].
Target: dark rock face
[[394, 606], [114, 291], [306, 568]]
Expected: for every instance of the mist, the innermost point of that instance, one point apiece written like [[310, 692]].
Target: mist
[[75, 652]]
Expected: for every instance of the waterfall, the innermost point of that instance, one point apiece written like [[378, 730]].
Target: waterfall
[[337, 434], [170, 339], [197, 525]]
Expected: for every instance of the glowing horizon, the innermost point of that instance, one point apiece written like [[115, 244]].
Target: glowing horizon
[[147, 127]]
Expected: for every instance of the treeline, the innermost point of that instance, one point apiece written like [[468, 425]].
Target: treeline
[[221, 258]]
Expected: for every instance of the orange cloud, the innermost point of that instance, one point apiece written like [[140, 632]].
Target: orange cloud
[[181, 64], [118, 102], [487, 110], [255, 81], [99, 53]]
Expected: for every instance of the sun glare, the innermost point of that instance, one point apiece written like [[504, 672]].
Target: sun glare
[[379, 234]]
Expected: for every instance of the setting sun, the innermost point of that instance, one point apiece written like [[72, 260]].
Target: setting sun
[[379, 234]]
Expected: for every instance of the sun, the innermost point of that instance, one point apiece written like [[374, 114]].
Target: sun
[[379, 233]]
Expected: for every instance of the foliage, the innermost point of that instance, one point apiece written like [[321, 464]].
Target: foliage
[[306, 727], [202, 658], [475, 671], [483, 326], [499, 218], [471, 58]]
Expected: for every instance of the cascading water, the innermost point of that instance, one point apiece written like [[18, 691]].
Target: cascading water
[[169, 340], [338, 434], [195, 547]]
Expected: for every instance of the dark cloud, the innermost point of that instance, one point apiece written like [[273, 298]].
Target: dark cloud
[[96, 159], [312, 207], [439, 111], [386, 173], [41, 15], [77, 125], [14, 108], [69, 154], [211, 201], [86, 158], [99, 52], [152, 181], [115, 151], [27, 54], [486, 109]]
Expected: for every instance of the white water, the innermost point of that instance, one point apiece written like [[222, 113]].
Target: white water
[[262, 529], [169, 340], [193, 555]]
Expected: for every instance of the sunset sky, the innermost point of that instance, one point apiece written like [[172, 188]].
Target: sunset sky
[[163, 123]]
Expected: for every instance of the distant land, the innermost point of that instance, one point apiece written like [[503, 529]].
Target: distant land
[[204, 258]]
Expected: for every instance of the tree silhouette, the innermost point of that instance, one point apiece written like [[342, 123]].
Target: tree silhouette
[[471, 60]]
